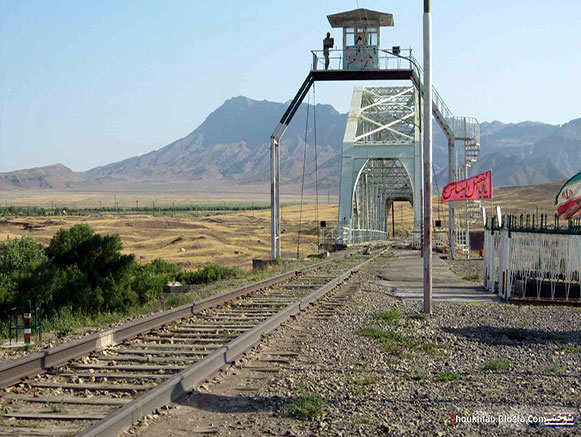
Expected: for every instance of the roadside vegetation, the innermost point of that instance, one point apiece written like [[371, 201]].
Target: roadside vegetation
[[359, 385], [496, 365], [398, 345], [309, 405], [390, 317], [82, 279], [35, 211], [387, 331], [448, 376]]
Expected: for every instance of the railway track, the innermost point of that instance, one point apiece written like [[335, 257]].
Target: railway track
[[104, 383]]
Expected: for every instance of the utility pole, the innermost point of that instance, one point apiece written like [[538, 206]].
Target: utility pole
[[427, 249]]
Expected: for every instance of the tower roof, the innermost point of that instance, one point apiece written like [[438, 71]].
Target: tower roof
[[360, 16]]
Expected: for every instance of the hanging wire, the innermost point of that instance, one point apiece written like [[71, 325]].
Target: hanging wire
[[316, 163], [303, 179]]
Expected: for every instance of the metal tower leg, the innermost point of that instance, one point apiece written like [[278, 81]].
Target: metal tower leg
[[275, 198], [451, 205]]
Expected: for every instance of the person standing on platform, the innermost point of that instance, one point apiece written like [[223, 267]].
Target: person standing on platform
[[328, 43]]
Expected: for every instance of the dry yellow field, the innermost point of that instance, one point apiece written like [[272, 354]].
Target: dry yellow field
[[192, 240], [77, 199], [229, 238]]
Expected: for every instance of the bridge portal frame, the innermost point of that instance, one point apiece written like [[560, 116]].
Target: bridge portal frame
[[373, 138], [312, 77]]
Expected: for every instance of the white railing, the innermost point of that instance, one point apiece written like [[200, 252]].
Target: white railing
[[466, 128], [386, 60], [362, 235], [550, 262]]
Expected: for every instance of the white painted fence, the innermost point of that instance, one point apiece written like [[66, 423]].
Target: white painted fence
[[543, 259], [362, 235]]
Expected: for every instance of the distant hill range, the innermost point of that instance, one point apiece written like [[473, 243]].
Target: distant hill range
[[231, 149]]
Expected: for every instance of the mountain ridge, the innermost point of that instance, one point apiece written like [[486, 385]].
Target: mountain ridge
[[231, 147]]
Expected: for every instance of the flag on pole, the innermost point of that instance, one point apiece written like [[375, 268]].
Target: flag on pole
[[474, 188], [568, 200]]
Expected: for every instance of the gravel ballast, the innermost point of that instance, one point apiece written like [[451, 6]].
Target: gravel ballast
[[380, 371]]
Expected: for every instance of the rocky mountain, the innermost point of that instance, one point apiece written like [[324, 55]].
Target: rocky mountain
[[524, 153], [55, 176], [231, 148]]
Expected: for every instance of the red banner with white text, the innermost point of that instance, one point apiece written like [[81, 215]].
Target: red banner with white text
[[474, 188]]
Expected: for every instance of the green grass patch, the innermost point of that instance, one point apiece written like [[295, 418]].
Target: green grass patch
[[391, 317], [360, 384], [496, 365], [448, 376], [569, 348], [366, 419], [309, 405], [419, 316], [397, 344], [554, 369], [427, 347]]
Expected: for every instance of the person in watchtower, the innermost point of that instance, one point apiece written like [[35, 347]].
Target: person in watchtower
[[328, 43]]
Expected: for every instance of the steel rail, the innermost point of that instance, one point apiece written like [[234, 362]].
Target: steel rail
[[179, 385], [37, 363]]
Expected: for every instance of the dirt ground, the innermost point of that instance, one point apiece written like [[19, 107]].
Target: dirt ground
[[192, 240]]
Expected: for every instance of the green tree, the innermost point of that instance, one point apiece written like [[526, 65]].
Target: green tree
[[149, 279], [25, 273], [94, 274]]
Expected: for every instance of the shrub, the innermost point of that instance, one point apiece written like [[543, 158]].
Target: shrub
[[208, 274], [309, 405], [448, 376], [63, 322], [391, 316], [84, 274], [496, 365], [148, 279]]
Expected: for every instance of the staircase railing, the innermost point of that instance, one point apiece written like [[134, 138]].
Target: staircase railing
[[463, 128]]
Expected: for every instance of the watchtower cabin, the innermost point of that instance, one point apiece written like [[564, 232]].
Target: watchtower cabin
[[361, 36]]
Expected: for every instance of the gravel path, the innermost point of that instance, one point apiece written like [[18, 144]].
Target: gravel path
[[408, 380]]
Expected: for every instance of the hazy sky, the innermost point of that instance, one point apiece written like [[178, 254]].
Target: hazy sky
[[86, 82]]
